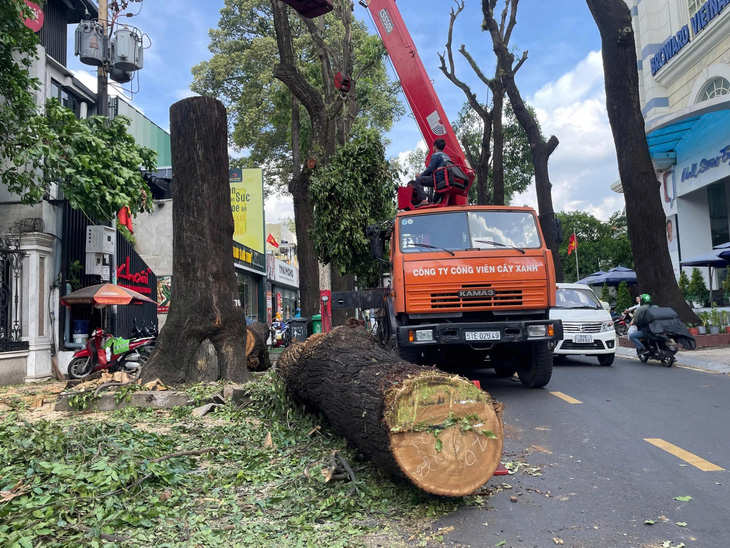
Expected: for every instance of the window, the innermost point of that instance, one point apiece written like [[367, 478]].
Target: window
[[719, 227], [714, 88], [471, 230], [68, 100], [694, 5]]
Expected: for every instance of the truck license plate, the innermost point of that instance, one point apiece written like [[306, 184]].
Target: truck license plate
[[482, 335], [583, 338]]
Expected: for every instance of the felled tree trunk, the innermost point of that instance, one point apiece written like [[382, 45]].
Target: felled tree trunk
[[204, 337], [438, 430]]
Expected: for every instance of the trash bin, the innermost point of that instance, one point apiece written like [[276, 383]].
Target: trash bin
[[297, 329], [81, 331], [317, 323]]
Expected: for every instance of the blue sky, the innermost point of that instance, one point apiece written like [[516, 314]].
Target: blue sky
[[562, 79]]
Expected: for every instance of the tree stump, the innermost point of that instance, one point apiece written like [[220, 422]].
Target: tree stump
[[256, 351], [439, 431], [204, 338]]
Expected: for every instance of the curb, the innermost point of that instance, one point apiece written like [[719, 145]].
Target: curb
[[683, 360]]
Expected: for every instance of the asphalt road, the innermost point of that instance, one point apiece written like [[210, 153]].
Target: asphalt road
[[600, 480]]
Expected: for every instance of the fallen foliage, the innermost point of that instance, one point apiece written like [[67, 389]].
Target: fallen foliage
[[141, 477]]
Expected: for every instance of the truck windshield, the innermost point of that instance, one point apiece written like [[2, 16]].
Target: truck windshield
[[468, 230]]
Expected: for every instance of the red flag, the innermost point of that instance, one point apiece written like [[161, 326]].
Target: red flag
[[572, 244], [124, 217], [271, 240]]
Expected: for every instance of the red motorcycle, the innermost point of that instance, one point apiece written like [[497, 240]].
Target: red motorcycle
[[103, 351]]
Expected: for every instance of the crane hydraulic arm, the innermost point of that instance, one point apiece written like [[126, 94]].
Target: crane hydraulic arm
[[414, 79]]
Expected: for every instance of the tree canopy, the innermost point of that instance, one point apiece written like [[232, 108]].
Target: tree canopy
[[601, 245], [260, 106], [354, 190]]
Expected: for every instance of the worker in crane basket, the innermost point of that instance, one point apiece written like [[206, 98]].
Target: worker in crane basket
[[438, 159]]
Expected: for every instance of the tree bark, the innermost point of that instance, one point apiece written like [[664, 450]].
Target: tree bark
[[341, 282], [541, 150], [411, 421], [204, 337], [644, 213], [498, 138], [257, 353]]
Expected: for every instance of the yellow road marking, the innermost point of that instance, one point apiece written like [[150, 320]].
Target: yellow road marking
[[565, 397], [686, 456]]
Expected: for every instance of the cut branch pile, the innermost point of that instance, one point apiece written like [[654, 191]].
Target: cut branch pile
[[440, 431]]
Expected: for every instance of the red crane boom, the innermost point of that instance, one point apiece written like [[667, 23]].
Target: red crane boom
[[414, 79]]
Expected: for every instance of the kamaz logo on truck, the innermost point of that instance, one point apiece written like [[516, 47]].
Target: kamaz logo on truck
[[476, 293], [385, 19]]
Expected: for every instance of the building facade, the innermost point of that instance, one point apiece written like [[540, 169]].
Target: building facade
[[683, 52]]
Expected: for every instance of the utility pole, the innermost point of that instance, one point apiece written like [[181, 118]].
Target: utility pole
[[102, 109], [102, 97]]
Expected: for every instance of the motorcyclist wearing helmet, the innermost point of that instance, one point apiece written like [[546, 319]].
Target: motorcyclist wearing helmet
[[639, 321]]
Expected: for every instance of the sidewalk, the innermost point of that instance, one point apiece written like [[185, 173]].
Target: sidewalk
[[714, 360]]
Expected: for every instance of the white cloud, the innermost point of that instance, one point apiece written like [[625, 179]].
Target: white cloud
[[278, 207]]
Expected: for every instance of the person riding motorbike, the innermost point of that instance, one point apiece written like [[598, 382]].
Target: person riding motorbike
[[639, 321]]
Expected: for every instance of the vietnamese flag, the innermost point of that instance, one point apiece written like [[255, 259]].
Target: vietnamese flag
[[572, 244], [271, 240]]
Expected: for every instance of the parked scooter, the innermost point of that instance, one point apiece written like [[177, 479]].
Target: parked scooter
[[103, 351], [621, 324]]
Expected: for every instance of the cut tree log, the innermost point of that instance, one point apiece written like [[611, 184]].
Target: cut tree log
[[439, 431]]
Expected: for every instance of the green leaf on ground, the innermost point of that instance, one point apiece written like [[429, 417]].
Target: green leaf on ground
[[685, 498], [649, 522], [681, 524]]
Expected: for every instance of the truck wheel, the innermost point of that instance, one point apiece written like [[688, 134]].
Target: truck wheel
[[540, 368], [606, 359]]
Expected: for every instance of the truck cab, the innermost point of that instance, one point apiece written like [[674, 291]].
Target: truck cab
[[471, 286]]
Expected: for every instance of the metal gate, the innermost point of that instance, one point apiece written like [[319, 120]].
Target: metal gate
[[11, 268]]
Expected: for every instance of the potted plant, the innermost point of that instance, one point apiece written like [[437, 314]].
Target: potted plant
[[704, 317], [724, 320], [693, 329], [697, 290], [715, 320]]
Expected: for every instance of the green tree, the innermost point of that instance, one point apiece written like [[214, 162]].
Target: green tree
[[17, 53], [357, 169], [697, 289], [623, 297], [601, 245]]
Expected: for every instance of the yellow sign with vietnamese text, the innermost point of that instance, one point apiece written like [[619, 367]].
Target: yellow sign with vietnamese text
[[247, 205]]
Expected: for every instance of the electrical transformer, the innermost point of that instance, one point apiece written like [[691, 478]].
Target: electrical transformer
[[127, 50], [90, 43]]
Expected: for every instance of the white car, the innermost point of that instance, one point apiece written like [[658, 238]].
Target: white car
[[587, 324]]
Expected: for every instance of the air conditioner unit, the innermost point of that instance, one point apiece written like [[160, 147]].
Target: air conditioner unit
[[100, 239]]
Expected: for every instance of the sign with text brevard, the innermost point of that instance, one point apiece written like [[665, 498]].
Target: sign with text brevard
[[701, 18]]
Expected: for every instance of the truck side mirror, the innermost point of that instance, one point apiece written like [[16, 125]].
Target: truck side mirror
[[376, 243]]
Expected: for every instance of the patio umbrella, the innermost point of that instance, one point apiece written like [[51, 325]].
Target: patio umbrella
[[717, 258], [617, 275], [104, 294], [589, 280]]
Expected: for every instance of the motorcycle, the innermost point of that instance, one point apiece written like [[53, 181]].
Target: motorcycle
[[104, 351], [621, 325], [280, 337], [658, 347]]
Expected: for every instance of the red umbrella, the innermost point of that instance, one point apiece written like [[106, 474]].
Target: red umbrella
[[104, 294]]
